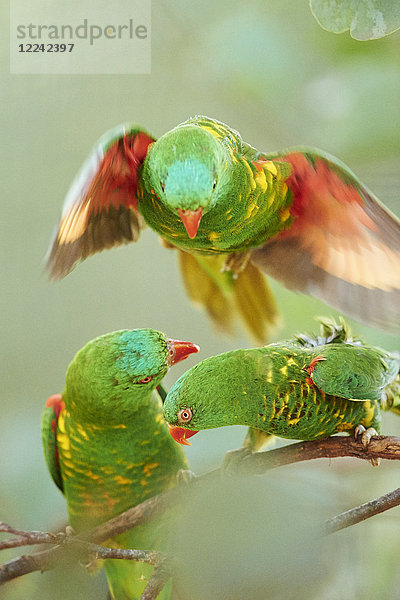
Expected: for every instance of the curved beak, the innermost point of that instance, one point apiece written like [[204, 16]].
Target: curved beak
[[180, 434], [191, 220], [182, 350]]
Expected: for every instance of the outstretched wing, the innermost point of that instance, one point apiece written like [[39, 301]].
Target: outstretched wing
[[343, 245], [100, 210], [53, 407]]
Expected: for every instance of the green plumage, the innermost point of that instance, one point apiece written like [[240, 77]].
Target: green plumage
[[206, 192], [107, 445], [304, 388], [202, 162]]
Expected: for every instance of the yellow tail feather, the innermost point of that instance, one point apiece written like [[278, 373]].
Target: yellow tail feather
[[224, 297]]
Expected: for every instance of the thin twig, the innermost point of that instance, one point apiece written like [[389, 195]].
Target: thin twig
[[364, 511], [27, 538], [72, 548], [159, 578]]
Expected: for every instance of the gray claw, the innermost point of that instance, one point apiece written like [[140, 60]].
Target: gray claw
[[364, 436], [185, 476]]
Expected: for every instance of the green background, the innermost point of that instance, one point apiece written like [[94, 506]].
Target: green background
[[268, 70]]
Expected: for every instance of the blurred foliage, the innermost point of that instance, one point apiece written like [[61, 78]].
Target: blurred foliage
[[366, 20], [268, 70]]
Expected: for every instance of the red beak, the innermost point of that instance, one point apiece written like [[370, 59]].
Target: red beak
[[182, 350], [180, 434], [191, 220]]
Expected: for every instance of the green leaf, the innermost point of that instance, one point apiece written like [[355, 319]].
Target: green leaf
[[366, 19]]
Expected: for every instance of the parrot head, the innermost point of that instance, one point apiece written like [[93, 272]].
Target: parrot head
[[204, 397], [187, 169], [113, 374]]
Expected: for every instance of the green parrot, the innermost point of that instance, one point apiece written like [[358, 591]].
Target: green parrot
[[233, 213], [305, 388], [107, 446]]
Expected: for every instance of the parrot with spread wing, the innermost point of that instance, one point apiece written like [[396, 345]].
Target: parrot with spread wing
[[305, 388], [234, 213], [107, 446]]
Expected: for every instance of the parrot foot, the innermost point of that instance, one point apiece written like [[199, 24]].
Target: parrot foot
[[185, 476], [236, 262], [233, 460], [69, 531], [364, 436], [92, 566]]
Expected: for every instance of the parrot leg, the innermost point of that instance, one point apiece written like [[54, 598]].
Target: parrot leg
[[256, 439], [365, 436], [185, 476], [236, 262], [233, 460]]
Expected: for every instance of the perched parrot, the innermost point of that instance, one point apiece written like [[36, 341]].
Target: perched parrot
[[106, 443], [304, 389], [298, 215]]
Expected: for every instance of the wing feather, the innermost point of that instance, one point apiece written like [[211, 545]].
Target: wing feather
[[343, 246], [100, 210], [54, 405]]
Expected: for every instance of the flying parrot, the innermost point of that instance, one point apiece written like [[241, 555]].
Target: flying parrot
[[233, 212], [305, 388], [107, 446]]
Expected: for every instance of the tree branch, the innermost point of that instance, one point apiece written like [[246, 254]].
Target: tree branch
[[159, 578], [86, 544], [385, 447], [27, 538], [364, 511]]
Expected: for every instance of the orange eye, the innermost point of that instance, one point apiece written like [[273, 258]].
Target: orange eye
[[185, 415], [146, 379]]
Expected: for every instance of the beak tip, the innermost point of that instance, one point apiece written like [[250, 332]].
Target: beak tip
[[180, 434], [191, 220], [182, 350]]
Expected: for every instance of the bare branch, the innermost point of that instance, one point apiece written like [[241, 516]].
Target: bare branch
[[364, 511], [159, 578], [72, 548], [27, 538], [258, 463], [379, 447], [147, 510]]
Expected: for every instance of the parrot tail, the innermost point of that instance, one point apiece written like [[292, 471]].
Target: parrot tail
[[222, 294]]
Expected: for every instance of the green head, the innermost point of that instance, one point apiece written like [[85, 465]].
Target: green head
[[187, 169], [114, 374], [215, 393]]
